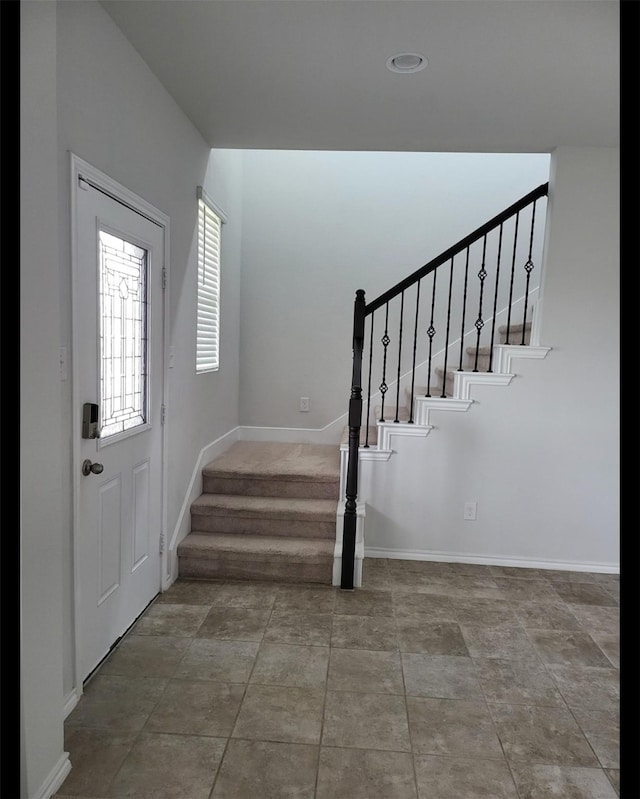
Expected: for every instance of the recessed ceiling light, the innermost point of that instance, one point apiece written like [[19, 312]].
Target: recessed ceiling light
[[406, 62]]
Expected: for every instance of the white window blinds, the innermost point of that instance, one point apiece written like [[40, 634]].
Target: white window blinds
[[210, 220]]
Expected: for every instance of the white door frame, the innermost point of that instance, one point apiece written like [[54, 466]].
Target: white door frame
[[120, 193]]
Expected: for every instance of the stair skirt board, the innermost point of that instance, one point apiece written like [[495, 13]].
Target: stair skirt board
[[488, 560]]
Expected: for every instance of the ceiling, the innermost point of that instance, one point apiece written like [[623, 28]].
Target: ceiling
[[502, 75]]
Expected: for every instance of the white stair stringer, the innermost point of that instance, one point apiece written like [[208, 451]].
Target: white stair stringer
[[381, 450]]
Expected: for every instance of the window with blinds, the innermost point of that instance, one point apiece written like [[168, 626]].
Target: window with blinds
[[210, 221]]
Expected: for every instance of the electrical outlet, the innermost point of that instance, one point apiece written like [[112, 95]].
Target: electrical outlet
[[304, 404], [470, 509]]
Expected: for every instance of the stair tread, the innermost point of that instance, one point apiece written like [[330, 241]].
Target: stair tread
[[273, 507], [243, 545], [277, 461], [390, 413], [514, 327]]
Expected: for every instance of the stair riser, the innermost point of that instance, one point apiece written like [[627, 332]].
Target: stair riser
[[516, 338], [214, 523], [283, 571], [291, 489]]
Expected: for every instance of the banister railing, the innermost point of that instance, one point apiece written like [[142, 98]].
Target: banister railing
[[462, 296]]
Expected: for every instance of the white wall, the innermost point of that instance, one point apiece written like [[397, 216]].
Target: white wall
[[85, 90], [541, 456], [320, 225], [41, 524]]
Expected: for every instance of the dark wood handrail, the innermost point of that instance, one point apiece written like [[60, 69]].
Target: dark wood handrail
[[467, 241]]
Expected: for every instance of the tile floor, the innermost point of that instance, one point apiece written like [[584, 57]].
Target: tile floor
[[432, 681]]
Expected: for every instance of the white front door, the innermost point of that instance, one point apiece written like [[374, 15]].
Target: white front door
[[118, 299]]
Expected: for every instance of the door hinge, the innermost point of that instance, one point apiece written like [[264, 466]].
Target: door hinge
[[164, 277], [161, 543], [163, 414]]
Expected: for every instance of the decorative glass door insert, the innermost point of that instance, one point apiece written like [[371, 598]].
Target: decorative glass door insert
[[123, 335]]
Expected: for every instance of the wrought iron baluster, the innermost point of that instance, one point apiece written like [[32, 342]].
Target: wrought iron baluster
[[482, 274], [431, 331], [528, 268], [397, 419], [385, 343], [366, 435], [495, 302], [415, 343], [446, 346], [513, 269], [464, 307]]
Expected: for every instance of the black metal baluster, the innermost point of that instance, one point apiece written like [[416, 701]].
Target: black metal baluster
[[482, 274], [446, 346], [464, 307], [431, 331], [366, 437], [495, 302], [397, 419], [528, 267], [513, 267], [415, 343], [385, 343]]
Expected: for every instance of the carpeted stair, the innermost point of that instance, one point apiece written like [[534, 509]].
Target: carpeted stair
[[267, 512]]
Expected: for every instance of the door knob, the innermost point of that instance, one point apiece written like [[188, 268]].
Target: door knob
[[91, 468]]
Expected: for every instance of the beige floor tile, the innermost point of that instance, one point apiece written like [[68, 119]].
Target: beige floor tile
[[497, 642], [365, 671], [610, 645], [274, 713], [197, 707], [452, 727], [518, 572], [95, 756], [365, 774], [238, 624], [146, 656], [267, 770], [463, 778], [430, 607], [541, 782], [443, 676], [596, 618], [169, 767], [430, 638], [533, 734], [484, 612], [245, 595], [190, 592], [614, 778], [584, 594], [364, 632], [366, 721], [526, 590], [567, 648], [364, 603], [305, 599], [293, 627], [290, 664], [117, 703], [588, 687], [602, 730], [180, 621], [523, 681], [219, 660], [545, 616]]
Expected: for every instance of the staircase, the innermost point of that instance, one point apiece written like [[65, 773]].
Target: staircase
[[267, 512]]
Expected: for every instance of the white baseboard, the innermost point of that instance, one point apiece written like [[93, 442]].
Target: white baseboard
[[183, 524], [71, 700], [486, 560], [56, 777]]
